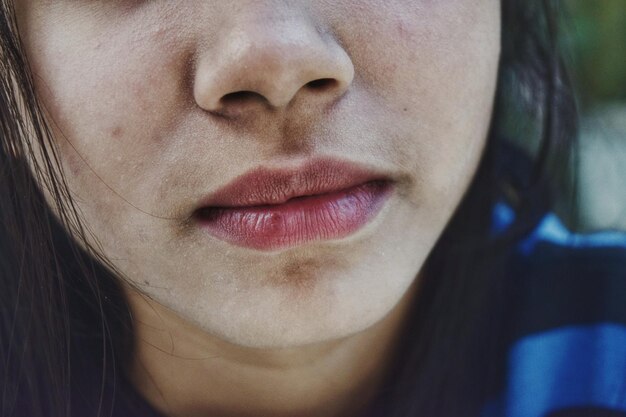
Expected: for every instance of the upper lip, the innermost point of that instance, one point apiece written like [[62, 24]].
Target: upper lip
[[266, 186]]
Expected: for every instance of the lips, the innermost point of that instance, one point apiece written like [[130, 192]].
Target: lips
[[271, 209]]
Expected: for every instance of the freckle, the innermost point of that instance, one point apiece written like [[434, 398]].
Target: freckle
[[406, 109], [117, 132], [405, 31], [74, 164], [401, 29]]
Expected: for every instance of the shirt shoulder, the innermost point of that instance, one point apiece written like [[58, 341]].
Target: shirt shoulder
[[567, 356]]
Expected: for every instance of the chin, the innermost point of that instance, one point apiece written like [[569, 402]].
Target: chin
[[328, 307]]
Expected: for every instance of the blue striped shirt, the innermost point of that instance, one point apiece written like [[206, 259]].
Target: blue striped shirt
[[568, 357]]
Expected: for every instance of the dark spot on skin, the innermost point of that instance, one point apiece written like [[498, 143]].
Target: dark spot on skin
[[299, 275], [402, 30], [75, 164], [302, 274], [406, 31], [295, 138], [117, 132], [406, 109], [297, 269]]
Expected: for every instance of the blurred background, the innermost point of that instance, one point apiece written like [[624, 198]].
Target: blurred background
[[594, 37], [595, 34]]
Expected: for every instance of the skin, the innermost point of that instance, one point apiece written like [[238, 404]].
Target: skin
[[133, 92]]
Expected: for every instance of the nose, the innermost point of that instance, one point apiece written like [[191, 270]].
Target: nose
[[268, 61]]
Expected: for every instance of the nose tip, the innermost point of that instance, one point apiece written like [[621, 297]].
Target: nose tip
[[262, 66]]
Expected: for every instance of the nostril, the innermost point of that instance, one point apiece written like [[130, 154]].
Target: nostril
[[238, 101], [241, 97], [322, 84]]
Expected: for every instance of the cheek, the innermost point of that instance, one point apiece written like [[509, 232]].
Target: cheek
[[107, 94], [435, 58], [432, 66]]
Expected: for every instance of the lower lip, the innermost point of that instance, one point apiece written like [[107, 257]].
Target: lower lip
[[299, 220]]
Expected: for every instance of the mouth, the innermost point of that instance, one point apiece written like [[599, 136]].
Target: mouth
[[271, 209]]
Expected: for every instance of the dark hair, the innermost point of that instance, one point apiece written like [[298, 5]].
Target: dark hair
[[53, 294]]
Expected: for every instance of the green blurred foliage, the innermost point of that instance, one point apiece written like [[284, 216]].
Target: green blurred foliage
[[595, 36]]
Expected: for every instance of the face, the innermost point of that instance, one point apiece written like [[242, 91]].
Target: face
[[184, 128]]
